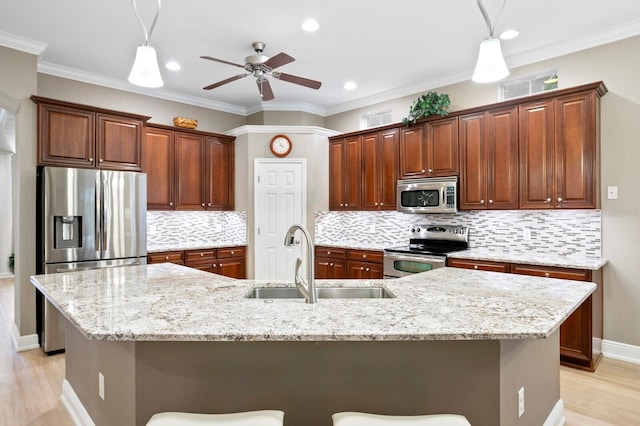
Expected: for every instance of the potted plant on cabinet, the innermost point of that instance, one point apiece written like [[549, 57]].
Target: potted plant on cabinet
[[430, 103]]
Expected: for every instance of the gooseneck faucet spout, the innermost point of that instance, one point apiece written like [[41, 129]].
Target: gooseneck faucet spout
[[307, 289]]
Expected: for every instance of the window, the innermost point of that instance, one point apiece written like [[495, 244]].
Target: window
[[529, 85], [375, 119]]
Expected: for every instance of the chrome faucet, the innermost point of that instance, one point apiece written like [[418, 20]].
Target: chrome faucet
[[307, 289]]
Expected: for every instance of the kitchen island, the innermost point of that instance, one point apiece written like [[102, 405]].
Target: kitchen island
[[170, 338]]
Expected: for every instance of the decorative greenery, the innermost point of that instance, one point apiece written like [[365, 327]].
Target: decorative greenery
[[11, 261], [428, 104]]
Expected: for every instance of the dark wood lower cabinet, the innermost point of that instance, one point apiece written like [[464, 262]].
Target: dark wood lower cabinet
[[342, 263], [577, 333], [227, 261]]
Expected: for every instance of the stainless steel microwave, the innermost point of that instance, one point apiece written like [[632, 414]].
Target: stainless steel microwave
[[430, 195]]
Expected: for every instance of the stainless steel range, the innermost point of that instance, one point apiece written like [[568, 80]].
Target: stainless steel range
[[428, 248]]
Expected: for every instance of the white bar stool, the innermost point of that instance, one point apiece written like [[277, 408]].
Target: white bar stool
[[247, 418], [350, 418]]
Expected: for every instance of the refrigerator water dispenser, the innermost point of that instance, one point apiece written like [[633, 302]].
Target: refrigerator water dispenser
[[67, 232]]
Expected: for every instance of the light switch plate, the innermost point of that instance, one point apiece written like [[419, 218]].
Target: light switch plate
[[612, 192]]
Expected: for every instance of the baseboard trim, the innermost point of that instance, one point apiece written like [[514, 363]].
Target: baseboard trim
[[556, 416], [6, 275], [73, 405], [24, 343], [621, 351]]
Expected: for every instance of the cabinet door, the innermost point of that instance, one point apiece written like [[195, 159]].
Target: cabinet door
[[442, 147], [336, 175], [576, 167], [473, 162], [322, 270], [502, 159], [190, 154], [219, 174], [370, 174], [413, 153], [119, 143], [159, 165], [234, 267], [364, 270], [388, 168], [66, 137], [353, 173], [536, 135]]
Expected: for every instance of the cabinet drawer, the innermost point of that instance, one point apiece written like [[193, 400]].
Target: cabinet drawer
[[167, 256], [552, 272], [365, 256], [226, 252], [480, 265], [197, 256], [333, 252]]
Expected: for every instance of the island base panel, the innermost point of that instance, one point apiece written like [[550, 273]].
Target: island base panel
[[311, 380]]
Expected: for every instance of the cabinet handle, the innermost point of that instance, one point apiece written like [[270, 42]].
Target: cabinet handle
[[546, 275], [215, 265], [202, 204], [490, 201], [346, 204], [559, 200], [482, 201], [101, 160], [364, 256], [423, 170], [548, 200], [233, 252], [166, 258], [201, 254], [362, 268], [430, 170], [328, 253], [375, 204], [209, 204], [171, 203], [381, 204], [368, 269], [475, 266], [91, 159], [331, 264]]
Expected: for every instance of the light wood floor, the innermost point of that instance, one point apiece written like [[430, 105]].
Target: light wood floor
[[31, 385]]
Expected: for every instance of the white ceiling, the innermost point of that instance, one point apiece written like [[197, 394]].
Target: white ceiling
[[389, 48]]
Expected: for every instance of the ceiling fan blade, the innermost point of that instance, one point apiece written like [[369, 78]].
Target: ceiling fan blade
[[264, 87], [312, 84], [279, 60], [228, 80], [222, 61]]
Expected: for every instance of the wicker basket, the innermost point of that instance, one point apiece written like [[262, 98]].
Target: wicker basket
[[184, 122]]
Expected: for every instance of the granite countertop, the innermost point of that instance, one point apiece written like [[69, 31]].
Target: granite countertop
[[166, 302], [156, 248], [576, 262]]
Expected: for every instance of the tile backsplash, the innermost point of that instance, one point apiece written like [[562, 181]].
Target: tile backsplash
[[178, 227], [561, 232]]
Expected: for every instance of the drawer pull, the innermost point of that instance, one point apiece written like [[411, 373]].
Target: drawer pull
[[546, 275], [368, 269], [323, 264], [362, 268], [475, 266], [166, 258], [364, 256], [430, 170], [233, 252], [91, 159], [330, 264], [201, 254], [328, 252]]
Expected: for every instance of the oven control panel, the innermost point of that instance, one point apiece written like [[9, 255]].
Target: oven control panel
[[439, 232]]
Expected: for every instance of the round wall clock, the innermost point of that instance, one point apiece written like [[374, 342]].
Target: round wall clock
[[280, 145]]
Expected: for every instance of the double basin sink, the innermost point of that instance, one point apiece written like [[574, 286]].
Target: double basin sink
[[323, 293]]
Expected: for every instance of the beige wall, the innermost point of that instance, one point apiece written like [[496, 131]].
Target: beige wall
[[287, 118], [161, 111], [18, 80], [618, 65]]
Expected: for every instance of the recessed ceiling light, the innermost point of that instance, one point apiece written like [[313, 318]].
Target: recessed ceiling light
[[173, 66], [509, 34], [350, 85], [310, 25]]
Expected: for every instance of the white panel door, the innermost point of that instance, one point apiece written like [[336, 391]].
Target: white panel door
[[280, 201]]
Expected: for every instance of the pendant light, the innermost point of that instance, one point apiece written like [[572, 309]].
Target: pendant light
[[145, 71], [490, 66]]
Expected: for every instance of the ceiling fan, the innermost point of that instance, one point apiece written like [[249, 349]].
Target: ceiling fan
[[260, 67]]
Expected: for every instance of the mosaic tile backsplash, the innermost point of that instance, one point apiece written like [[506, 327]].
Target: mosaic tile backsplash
[[179, 228], [561, 232]]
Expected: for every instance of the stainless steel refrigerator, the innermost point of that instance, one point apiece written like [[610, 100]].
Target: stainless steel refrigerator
[[87, 219]]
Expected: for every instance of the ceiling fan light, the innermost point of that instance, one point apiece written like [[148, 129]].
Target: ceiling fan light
[[490, 66], [145, 71]]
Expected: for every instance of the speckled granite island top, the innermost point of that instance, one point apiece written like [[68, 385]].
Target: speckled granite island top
[[166, 302]]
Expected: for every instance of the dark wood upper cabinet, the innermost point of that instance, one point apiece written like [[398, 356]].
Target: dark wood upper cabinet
[[559, 145], [159, 164], [345, 163], [429, 149], [188, 170], [73, 135], [413, 152], [380, 170], [489, 160]]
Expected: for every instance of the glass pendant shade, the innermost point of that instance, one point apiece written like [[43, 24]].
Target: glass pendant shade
[[490, 66], [145, 71]]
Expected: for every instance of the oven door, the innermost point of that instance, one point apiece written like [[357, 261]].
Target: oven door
[[398, 265]]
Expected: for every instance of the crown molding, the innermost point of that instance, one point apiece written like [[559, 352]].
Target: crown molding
[[22, 44], [260, 129], [288, 106]]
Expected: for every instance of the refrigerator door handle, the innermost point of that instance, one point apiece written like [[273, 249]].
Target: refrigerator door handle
[[99, 221]]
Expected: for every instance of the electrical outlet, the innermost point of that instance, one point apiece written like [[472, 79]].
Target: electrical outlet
[[521, 402], [101, 385], [526, 234], [612, 192]]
